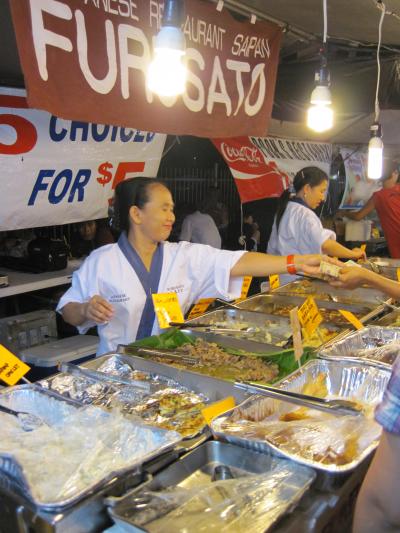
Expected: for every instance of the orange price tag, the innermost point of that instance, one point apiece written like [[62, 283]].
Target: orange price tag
[[398, 274], [352, 319], [12, 369], [363, 247], [309, 316], [167, 308], [274, 282], [200, 307], [217, 408]]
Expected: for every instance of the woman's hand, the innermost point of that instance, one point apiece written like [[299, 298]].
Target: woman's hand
[[309, 264], [98, 310], [359, 254]]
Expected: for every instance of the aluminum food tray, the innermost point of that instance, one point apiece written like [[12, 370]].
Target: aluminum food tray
[[215, 389], [200, 464], [278, 332], [344, 380], [51, 408], [385, 266], [369, 337], [362, 295]]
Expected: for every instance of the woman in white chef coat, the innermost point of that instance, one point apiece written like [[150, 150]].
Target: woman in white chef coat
[[113, 287], [297, 229]]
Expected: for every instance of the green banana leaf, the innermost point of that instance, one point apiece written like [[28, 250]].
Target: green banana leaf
[[174, 338]]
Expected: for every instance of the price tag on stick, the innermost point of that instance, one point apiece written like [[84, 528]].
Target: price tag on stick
[[245, 288], [398, 274], [217, 408], [12, 369], [309, 316], [296, 331], [167, 308]]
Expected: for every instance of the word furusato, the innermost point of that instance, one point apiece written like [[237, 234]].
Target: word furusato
[[128, 52]]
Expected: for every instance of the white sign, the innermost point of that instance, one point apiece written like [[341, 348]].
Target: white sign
[[56, 171]]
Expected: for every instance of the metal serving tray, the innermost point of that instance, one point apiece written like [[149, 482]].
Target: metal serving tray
[[278, 330], [344, 380], [267, 303], [323, 291], [198, 467], [370, 337], [214, 389], [53, 409], [385, 266]]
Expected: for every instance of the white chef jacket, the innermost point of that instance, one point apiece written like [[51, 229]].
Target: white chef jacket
[[300, 232], [193, 271], [200, 228]]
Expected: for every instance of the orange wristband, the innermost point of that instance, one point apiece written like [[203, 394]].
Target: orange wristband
[[290, 266]]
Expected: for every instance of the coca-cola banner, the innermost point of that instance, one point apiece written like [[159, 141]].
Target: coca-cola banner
[[55, 171], [264, 166], [87, 60]]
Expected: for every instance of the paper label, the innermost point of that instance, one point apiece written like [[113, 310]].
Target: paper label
[[217, 408], [363, 247], [352, 319], [398, 274], [167, 308], [200, 307], [274, 282], [309, 316], [245, 288], [296, 331], [12, 369]]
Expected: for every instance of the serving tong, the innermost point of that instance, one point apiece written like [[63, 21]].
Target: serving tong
[[211, 328], [28, 421], [167, 354], [387, 304], [335, 407]]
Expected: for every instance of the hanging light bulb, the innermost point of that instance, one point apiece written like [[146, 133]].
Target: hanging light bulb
[[166, 74], [375, 153], [375, 145], [320, 113]]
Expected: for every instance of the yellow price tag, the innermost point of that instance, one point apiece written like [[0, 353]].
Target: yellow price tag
[[245, 286], [398, 274], [352, 319], [167, 308], [309, 316], [363, 247], [217, 408], [12, 369], [274, 282], [200, 307]]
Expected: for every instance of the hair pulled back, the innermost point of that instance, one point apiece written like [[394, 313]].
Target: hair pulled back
[[130, 192], [311, 176]]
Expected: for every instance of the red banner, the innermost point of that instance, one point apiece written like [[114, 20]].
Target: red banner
[[88, 61], [264, 166]]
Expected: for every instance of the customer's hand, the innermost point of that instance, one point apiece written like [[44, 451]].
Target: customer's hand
[[309, 264], [98, 310], [351, 277]]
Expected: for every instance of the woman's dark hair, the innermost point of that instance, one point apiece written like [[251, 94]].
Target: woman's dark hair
[[311, 176], [133, 191]]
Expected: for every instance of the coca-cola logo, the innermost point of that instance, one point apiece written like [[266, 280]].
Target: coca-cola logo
[[244, 153]]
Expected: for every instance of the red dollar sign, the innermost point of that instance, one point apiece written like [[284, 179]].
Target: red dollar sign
[[106, 174]]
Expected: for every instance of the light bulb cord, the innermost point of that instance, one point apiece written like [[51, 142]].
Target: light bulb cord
[[378, 61], [325, 20]]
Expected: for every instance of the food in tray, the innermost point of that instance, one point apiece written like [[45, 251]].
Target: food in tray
[[309, 434], [383, 353], [215, 361], [168, 406], [328, 269]]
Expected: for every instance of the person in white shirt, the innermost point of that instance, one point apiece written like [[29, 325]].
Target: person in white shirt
[[297, 229], [114, 286], [200, 228]]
